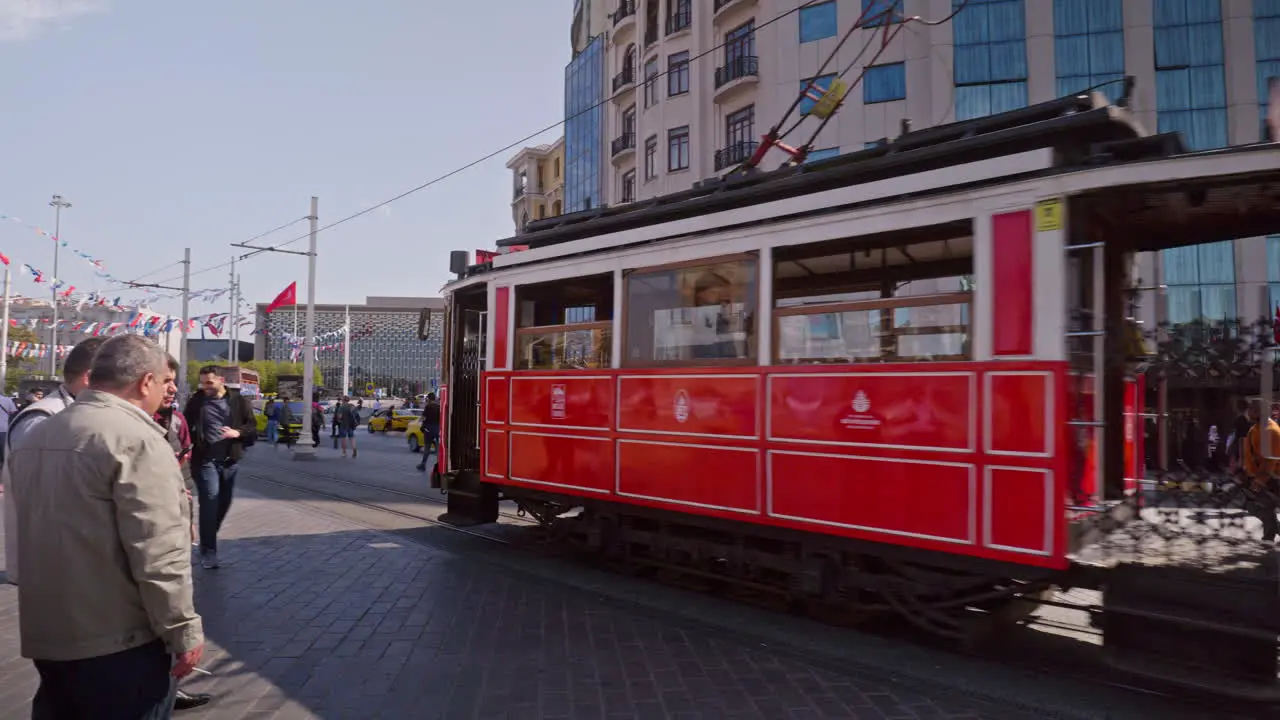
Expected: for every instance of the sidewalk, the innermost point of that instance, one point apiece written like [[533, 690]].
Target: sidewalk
[[312, 616]]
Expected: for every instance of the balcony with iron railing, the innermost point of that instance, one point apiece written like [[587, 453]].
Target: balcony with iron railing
[[679, 19], [626, 12], [743, 68], [735, 154], [625, 80], [622, 144], [517, 193], [726, 4]]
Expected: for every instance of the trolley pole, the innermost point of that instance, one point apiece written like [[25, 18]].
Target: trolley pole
[[58, 204], [231, 317], [346, 353], [4, 333]]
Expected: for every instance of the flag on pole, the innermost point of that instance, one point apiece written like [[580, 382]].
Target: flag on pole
[[288, 296]]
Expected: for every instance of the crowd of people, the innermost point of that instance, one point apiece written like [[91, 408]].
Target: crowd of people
[[110, 491], [101, 482]]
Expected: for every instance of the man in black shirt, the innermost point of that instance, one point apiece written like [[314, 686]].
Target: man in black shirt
[[222, 425], [430, 428]]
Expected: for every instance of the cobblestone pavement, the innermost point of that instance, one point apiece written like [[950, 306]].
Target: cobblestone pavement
[[313, 616]]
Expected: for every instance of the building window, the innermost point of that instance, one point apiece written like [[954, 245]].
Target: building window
[[1202, 282], [740, 126], [1273, 274], [557, 168], [822, 154], [678, 149], [629, 123], [883, 83], [740, 43], [820, 85], [990, 57], [817, 22], [679, 15], [651, 83], [651, 158], [629, 186], [881, 12], [678, 74], [1088, 45], [1266, 43], [1191, 93]]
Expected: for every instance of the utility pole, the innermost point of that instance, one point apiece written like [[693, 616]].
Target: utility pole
[[4, 333], [58, 204], [346, 350], [304, 449], [183, 388], [235, 329]]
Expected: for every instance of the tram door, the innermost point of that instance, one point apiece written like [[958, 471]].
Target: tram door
[[464, 387]]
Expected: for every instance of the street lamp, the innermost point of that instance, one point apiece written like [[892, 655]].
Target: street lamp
[[58, 204]]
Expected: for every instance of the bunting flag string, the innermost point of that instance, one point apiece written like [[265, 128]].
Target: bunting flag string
[[99, 269], [34, 350]]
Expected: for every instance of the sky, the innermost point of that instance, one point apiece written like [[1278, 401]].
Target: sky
[[178, 124]]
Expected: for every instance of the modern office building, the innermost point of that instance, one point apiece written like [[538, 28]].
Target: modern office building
[[1200, 66], [387, 352], [537, 183]]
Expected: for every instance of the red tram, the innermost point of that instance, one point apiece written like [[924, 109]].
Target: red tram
[[890, 379]]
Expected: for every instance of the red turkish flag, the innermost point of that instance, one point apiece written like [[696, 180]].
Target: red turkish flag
[[288, 296]]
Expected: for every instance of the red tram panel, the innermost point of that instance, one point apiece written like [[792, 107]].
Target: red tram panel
[[958, 458]]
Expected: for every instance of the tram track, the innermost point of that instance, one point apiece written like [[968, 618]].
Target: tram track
[[1060, 656]]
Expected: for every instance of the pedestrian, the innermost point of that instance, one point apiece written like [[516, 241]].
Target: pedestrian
[[223, 425], [286, 420], [8, 409], [273, 426], [75, 378], [349, 418], [317, 423], [179, 437], [105, 608], [430, 428], [1262, 472]]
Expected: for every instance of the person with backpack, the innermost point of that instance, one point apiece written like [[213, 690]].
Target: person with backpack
[[348, 420], [272, 411], [223, 426], [75, 379], [430, 429]]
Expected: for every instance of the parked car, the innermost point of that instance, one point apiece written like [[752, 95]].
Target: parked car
[[393, 420]]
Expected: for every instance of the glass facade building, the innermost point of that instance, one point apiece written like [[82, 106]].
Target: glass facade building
[[584, 91], [990, 57], [386, 352], [1088, 45]]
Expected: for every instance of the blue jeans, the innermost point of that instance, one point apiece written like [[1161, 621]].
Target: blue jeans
[[273, 432], [129, 685], [215, 482]]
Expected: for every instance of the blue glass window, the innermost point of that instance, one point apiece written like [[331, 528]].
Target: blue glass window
[[823, 83], [990, 57], [1202, 282], [883, 83], [1273, 272], [817, 22], [584, 129], [1191, 93], [1088, 45], [881, 12], [1266, 43], [822, 154]]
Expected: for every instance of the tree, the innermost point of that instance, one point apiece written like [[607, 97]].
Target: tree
[[20, 368]]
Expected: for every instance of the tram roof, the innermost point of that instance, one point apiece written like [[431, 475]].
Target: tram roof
[[1076, 127]]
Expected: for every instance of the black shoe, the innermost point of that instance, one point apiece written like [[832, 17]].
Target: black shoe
[[422, 468], [186, 701]]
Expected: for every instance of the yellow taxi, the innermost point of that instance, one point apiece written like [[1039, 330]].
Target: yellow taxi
[[393, 420], [295, 427]]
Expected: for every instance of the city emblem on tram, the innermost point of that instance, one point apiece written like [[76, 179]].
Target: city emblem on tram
[[681, 406], [860, 419], [559, 398]]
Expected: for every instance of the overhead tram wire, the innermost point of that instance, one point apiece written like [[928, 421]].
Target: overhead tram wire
[[222, 265], [506, 148]]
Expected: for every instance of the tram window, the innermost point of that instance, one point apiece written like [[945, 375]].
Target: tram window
[[565, 324], [700, 313], [908, 302]]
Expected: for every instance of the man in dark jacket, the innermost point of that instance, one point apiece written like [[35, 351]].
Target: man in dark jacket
[[222, 424], [430, 429]]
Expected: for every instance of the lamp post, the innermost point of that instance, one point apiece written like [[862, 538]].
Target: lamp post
[[57, 203]]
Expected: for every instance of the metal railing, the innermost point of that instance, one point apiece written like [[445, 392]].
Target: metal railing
[[735, 154], [626, 141], [624, 78], [626, 9], [680, 18], [739, 67]]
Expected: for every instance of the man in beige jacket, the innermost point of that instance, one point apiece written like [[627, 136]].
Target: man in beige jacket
[[105, 600]]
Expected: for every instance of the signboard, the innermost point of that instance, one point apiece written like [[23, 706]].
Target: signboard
[[289, 386], [368, 387], [1049, 215]]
